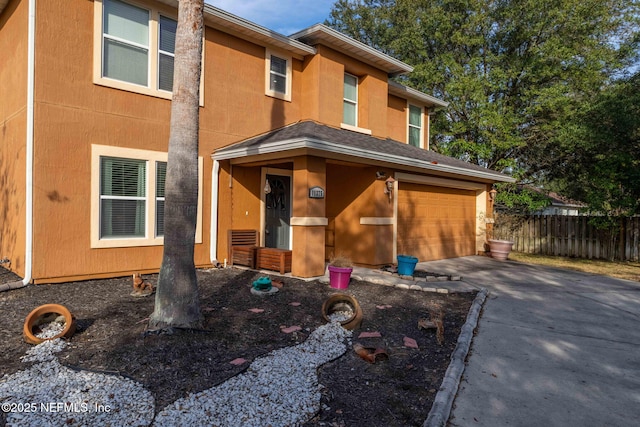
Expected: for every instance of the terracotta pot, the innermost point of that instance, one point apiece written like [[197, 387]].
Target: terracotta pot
[[340, 302], [499, 249], [38, 313]]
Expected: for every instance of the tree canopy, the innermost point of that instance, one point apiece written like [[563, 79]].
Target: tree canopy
[[515, 72], [599, 161]]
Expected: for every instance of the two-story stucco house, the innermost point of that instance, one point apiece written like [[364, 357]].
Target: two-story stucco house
[[305, 138]]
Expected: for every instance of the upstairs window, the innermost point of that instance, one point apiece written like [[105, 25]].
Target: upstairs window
[[126, 42], [415, 126], [166, 53], [350, 100], [278, 76], [134, 47]]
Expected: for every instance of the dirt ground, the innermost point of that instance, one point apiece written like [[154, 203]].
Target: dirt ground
[[111, 324]]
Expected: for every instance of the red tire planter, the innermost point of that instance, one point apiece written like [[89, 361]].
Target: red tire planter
[[33, 317]]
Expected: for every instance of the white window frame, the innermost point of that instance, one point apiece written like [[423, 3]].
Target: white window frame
[[151, 158], [353, 102], [146, 47], [288, 76], [410, 126], [155, 11], [348, 126]]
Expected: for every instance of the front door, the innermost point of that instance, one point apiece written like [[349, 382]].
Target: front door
[[277, 212]]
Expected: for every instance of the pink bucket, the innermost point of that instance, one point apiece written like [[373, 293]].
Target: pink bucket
[[339, 277]]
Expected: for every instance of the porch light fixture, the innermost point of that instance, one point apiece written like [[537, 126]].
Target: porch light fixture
[[492, 194], [267, 188], [388, 187]]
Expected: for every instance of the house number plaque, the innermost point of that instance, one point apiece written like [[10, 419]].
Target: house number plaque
[[316, 193]]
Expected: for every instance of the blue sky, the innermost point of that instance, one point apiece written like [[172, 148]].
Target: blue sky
[[283, 16]]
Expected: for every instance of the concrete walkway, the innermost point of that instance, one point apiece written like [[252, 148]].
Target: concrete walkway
[[553, 347]]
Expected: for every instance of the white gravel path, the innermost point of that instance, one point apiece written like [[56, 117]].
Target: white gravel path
[[279, 389]]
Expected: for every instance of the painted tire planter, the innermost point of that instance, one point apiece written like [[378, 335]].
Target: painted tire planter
[[499, 249], [343, 302], [339, 277], [35, 318], [406, 265]]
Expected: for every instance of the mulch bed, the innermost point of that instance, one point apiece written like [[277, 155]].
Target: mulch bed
[[111, 325]]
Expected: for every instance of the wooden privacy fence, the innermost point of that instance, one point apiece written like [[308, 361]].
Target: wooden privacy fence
[[571, 236]]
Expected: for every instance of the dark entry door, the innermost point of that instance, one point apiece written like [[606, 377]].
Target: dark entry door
[[278, 212]]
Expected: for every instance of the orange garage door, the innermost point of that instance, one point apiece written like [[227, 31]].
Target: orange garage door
[[436, 222]]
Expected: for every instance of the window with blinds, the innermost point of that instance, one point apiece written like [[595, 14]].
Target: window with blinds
[[350, 100], [278, 71], [415, 126], [123, 190], [128, 197], [161, 173], [166, 53], [129, 45], [126, 42]]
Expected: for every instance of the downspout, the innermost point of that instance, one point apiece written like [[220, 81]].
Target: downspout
[[31, 45], [213, 234], [31, 71]]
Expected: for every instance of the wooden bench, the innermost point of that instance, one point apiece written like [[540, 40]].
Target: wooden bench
[[242, 247], [274, 259], [243, 255]]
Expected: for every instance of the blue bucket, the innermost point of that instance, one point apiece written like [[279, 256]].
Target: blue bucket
[[406, 265]]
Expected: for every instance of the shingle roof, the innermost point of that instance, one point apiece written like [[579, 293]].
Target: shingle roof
[[312, 135]]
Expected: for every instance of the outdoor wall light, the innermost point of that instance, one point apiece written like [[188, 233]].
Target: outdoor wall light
[[267, 188], [492, 194], [388, 187]]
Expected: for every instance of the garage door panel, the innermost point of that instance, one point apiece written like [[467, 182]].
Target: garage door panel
[[435, 222]]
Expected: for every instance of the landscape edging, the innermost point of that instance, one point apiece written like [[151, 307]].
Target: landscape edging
[[443, 402]]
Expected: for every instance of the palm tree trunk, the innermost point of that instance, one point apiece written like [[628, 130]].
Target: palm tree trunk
[[177, 299]]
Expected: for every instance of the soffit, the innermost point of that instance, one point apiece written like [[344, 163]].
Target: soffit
[[321, 34], [411, 94], [247, 30]]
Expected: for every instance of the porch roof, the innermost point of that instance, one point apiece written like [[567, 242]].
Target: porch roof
[[321, 140]]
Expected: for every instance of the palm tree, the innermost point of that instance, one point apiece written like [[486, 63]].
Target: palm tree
[[177, 300]]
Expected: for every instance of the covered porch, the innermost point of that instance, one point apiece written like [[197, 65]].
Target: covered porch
[[320, 191]]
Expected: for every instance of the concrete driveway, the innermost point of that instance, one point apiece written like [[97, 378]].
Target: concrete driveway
[[553, 347]]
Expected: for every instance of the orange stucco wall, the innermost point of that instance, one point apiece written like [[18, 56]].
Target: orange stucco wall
[[72, 113], [363, 197], [324, 75], [246, 198], [308, 240], [13, 125], [397, 118]]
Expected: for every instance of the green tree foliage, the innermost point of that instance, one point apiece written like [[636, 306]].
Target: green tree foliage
[[599, 161], [515, 72], [516, 199]]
